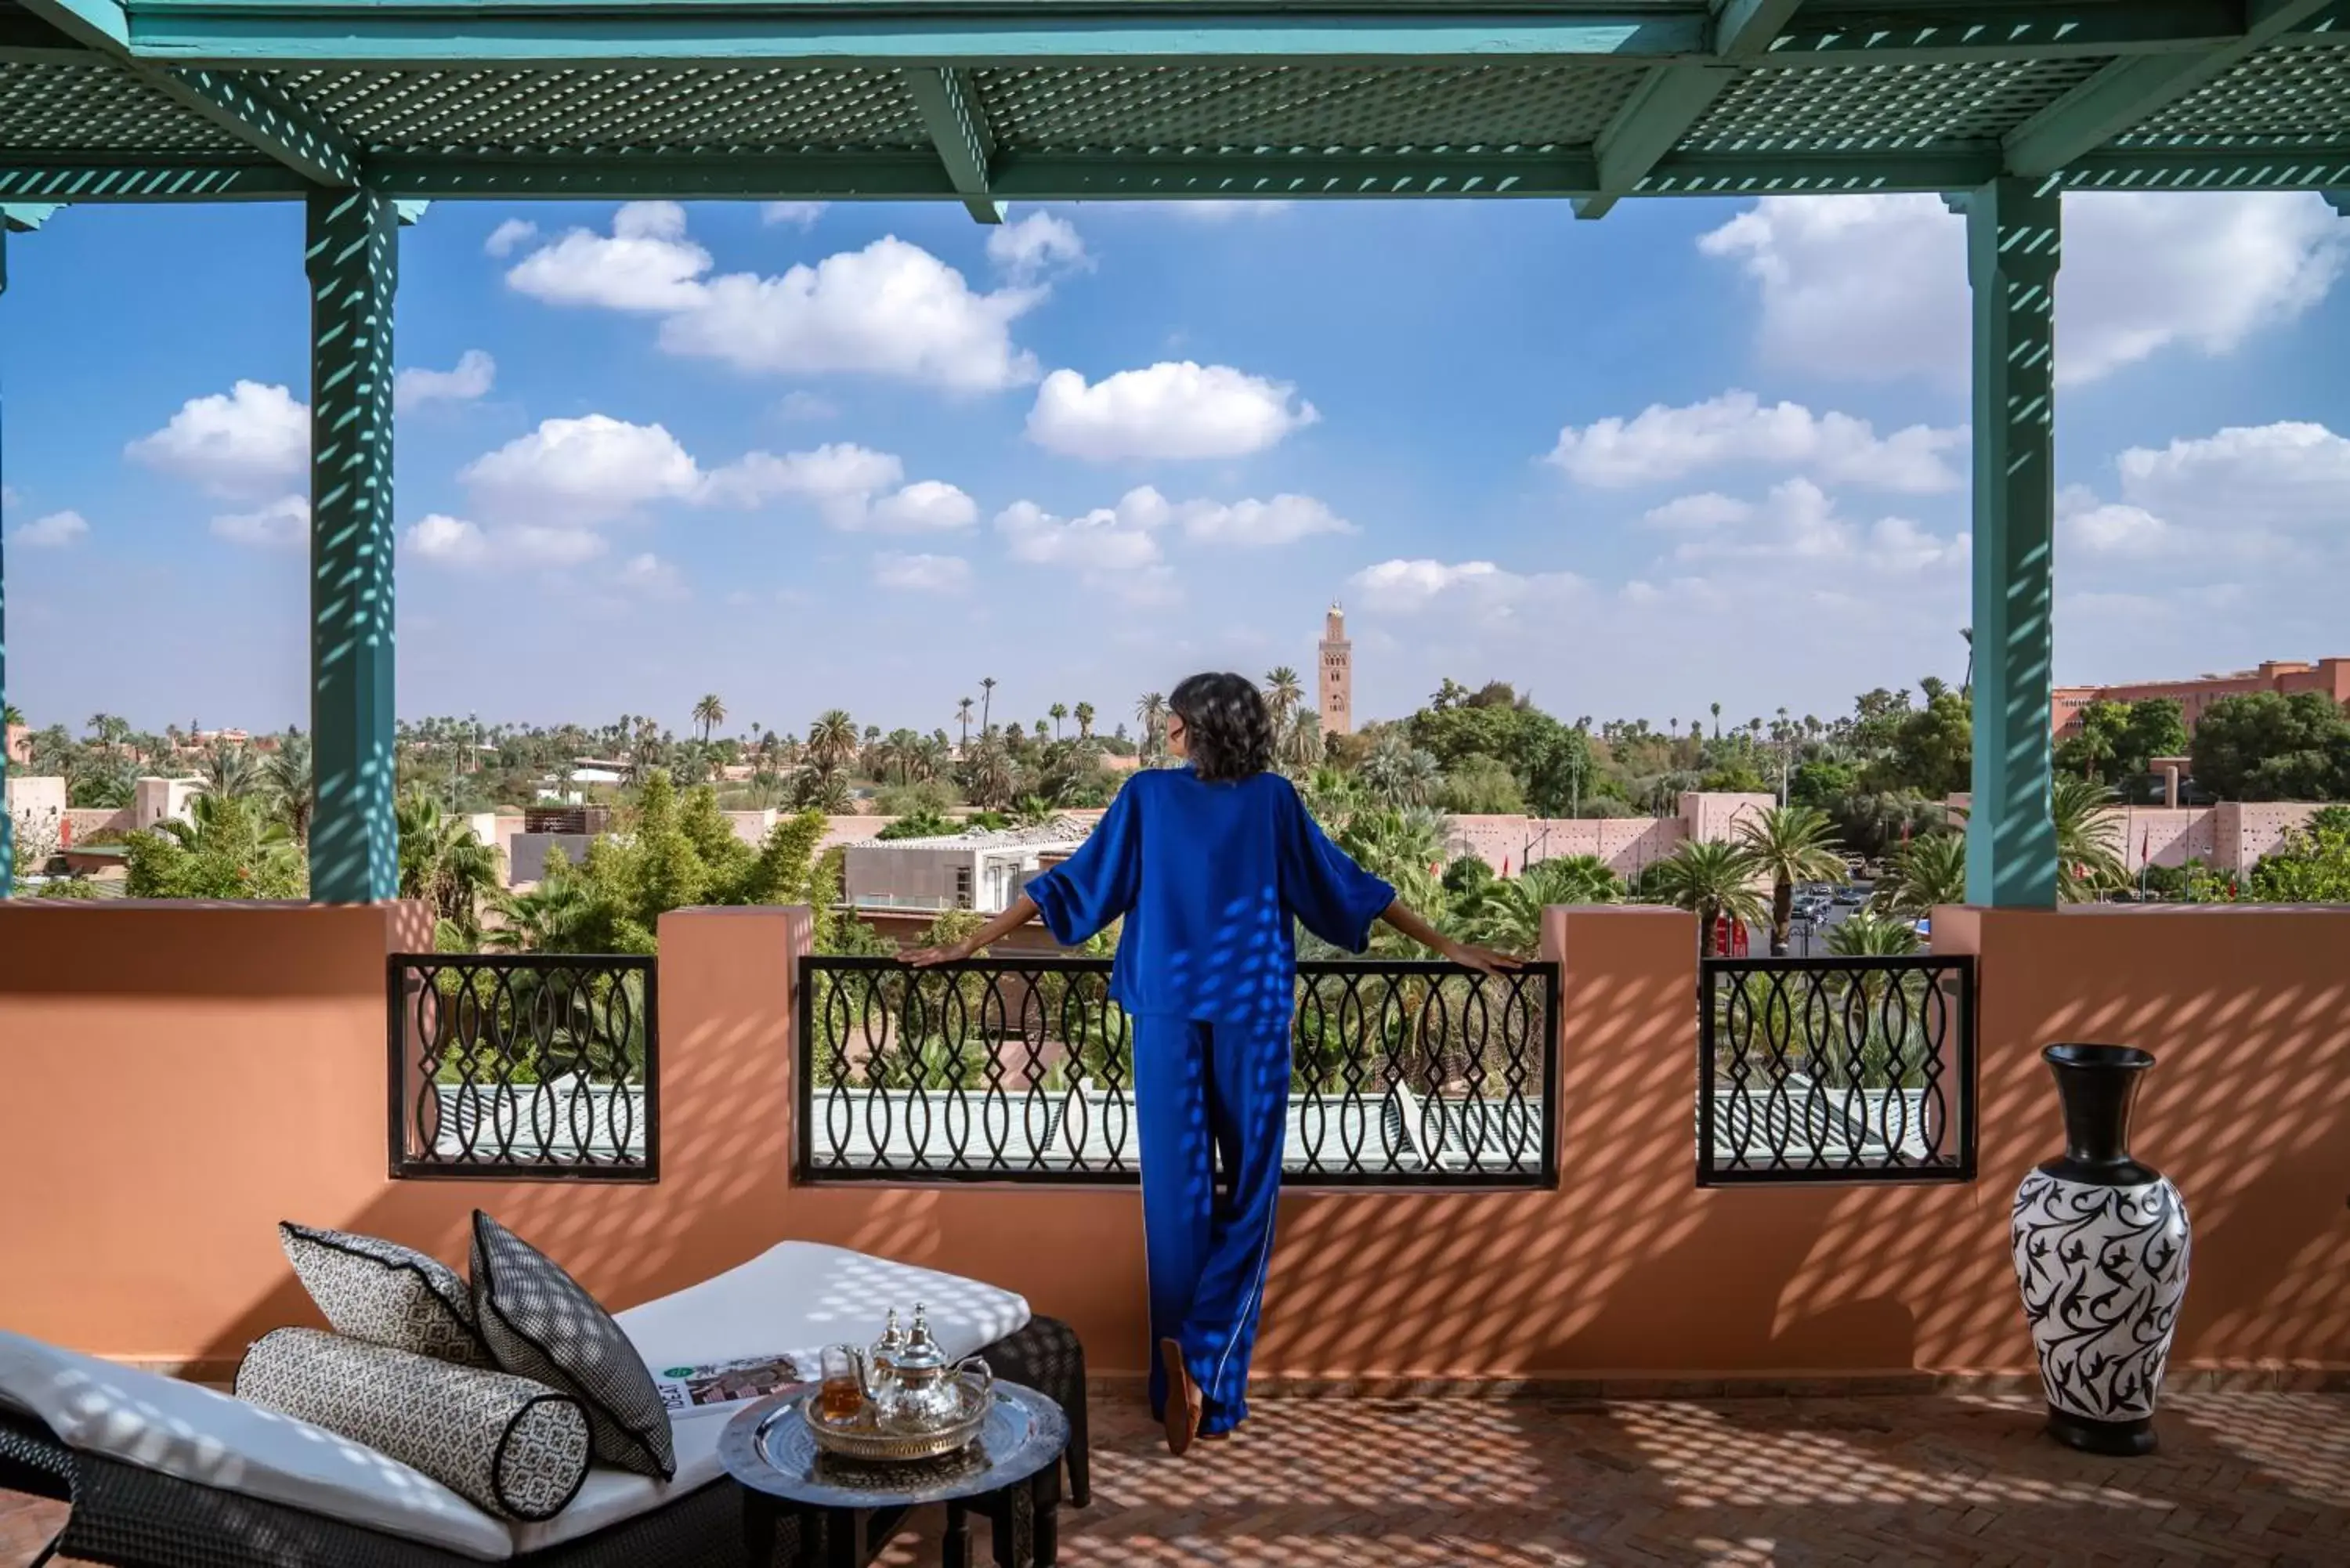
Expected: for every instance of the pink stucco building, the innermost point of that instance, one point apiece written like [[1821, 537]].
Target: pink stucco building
[[2330, 676]]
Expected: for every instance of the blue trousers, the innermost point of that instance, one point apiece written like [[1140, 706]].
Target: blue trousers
[[1206, 1093]]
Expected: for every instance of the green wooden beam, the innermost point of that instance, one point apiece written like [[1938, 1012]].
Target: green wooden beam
[[95, 182], [2125, 93], [268, 119], [2211, 169], [7, 817], [518, 32], [1671, 100], [951, 112], [251, 108], [24, 217], [352, 259], [2338, 200], [93, 24], [2014, 244]]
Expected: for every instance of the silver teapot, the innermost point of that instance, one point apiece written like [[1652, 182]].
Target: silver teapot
[[909, 1381]]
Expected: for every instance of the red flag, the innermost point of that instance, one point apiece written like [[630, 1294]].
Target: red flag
[[1505, 865]]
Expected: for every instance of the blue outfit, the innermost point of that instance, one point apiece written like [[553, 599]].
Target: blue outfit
[[1209, 878]]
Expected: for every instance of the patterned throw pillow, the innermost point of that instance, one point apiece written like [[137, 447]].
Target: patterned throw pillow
[[513, 1448], [385, 1293], [540, 1325]]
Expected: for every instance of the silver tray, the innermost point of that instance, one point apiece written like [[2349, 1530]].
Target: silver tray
[[863, 1437]]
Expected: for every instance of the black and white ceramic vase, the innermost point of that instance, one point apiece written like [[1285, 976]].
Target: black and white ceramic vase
[[2101, 1245]]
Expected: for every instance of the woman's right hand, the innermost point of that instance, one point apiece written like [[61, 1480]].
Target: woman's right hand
[[1484, 960], [931, 957]]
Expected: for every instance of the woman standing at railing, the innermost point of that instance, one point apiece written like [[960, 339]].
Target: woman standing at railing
[[1208, 864]]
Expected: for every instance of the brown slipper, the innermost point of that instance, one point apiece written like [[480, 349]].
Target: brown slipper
[[1182, 1399]]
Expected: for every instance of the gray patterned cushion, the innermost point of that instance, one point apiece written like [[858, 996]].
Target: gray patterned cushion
[[385, 1293], [541, 1325], [513, 1448]]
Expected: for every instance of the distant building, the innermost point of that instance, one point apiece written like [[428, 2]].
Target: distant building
[[1337, 676], [983, 870], [2330, 676]]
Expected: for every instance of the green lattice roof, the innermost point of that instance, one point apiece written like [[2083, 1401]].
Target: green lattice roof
[[985, 100]]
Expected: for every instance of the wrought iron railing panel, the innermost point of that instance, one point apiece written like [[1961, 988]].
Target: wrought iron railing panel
[[1022, 1069], [506, 1064], [1836, 1069]]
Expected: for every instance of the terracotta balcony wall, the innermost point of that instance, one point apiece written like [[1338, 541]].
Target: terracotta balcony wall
[[174, 1079]]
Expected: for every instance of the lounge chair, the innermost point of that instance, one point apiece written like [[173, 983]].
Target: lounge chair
[[164, 1474]]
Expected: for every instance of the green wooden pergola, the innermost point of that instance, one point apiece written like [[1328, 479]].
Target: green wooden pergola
[[367, 109]]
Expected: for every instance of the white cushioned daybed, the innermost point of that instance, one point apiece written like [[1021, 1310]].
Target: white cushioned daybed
[[163, 1473]]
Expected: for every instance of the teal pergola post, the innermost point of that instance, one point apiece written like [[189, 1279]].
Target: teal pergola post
[[353, 261], [2014, 231]]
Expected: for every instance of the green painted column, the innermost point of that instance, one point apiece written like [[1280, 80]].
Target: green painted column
[[2014, 232], [7, 817], [353, 261]]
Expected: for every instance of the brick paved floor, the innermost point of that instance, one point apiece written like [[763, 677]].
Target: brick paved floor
[[2242, 1477]]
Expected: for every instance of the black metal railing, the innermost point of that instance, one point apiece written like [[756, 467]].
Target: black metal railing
[[1836, 1069], [524, 1065], [1022, 1069]]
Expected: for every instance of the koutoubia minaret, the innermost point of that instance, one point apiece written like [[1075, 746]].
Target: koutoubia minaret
[[1337, 676]]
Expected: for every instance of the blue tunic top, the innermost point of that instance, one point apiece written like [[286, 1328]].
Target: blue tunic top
[[1207, 877]]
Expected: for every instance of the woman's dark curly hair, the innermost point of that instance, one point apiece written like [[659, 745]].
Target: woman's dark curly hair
[[1227, 727]]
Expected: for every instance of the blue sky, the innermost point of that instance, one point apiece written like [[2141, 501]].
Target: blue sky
[[1703, 451]]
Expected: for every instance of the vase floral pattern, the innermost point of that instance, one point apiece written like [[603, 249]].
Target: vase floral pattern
[[2104, 1270]]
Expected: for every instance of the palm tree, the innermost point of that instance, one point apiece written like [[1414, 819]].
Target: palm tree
[[10, 714], [1151, 714], [986, 700], [1085, 715], [1282, 692], [710, 712], [287, 775], [987, 773], [229, 772], [1717, 721], [1711, 881], [823, 788], [1791, 844], [832, 739], [1867, 935], [1931, 869], [1400, 774], [443, 863], [1059, 710], [2088, 859], [962, 712], [1301, 745], [1509, 911], [551, 918]]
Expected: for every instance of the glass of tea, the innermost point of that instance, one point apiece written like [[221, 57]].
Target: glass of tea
[[841, 1395]]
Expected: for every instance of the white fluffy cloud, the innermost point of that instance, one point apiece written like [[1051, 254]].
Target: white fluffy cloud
[[1660, 444], [1216, 210], [1124, 537], [2247, 492], [245, 442], [469, 379], [1176, 409], [891, 309], [1709, 509], [1410, 586], [649, 577], [1259, 525], [1108, 539], [582, 471], [922, 574], [458, 542], [645, 264], [282, 523], [799, 215], [1036, 245], [1798, 522], [510, 236], [1875, 287], [851, 487], [53, 532]]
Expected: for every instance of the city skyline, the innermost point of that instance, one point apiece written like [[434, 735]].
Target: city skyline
[[1709, 450]]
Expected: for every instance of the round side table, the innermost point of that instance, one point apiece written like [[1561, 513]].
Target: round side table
[[846, 1511]]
